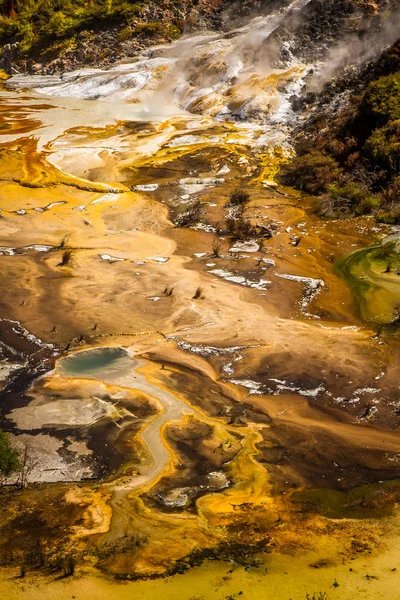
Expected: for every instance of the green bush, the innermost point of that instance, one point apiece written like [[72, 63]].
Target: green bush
[[9, 458], [347, 199], [8, 27], [383, 146], [391, 195], [382, 98], [60, 24], [352, 160], [148, 29], [172, 31], [312, 172], [390, 204], [368, 205], [390, 217]]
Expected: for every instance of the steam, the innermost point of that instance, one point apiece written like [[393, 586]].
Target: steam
[[356, 50], [215, 67]]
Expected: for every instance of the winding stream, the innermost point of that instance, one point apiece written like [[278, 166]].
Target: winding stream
[[115, 366]]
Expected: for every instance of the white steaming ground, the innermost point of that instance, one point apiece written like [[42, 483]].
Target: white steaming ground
[[221, 75]]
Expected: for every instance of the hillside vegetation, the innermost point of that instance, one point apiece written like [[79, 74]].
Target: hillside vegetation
[[352, 160], [46, 29], [41, 22]]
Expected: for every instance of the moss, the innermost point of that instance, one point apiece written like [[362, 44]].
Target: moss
[[148, 29], [125, 34], [156, 28], [58, 48]]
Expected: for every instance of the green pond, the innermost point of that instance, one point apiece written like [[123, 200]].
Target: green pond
[[373, 274], [91, 361]]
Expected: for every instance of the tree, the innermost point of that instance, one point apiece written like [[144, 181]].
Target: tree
[[27, 463], [9, 457]]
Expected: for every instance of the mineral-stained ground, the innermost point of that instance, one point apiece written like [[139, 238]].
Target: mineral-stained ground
[[206, 397]]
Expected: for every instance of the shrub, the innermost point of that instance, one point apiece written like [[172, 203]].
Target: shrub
[[59, 24], [312, 172], [239, 197], [368, 205], [382, 99], [391, 195], [240, 228], [172, 31], [390, 217], [390, 204], [344, 200], [383, 146], [27, 35], [68, 566], [190, 216], [125, 34], [216, 247]]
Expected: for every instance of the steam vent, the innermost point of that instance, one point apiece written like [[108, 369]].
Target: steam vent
[[199, 299]]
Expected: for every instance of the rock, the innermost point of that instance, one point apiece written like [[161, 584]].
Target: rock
[[176, 498], [250, 246], [216, 481], [224, 170], [270, 183]]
